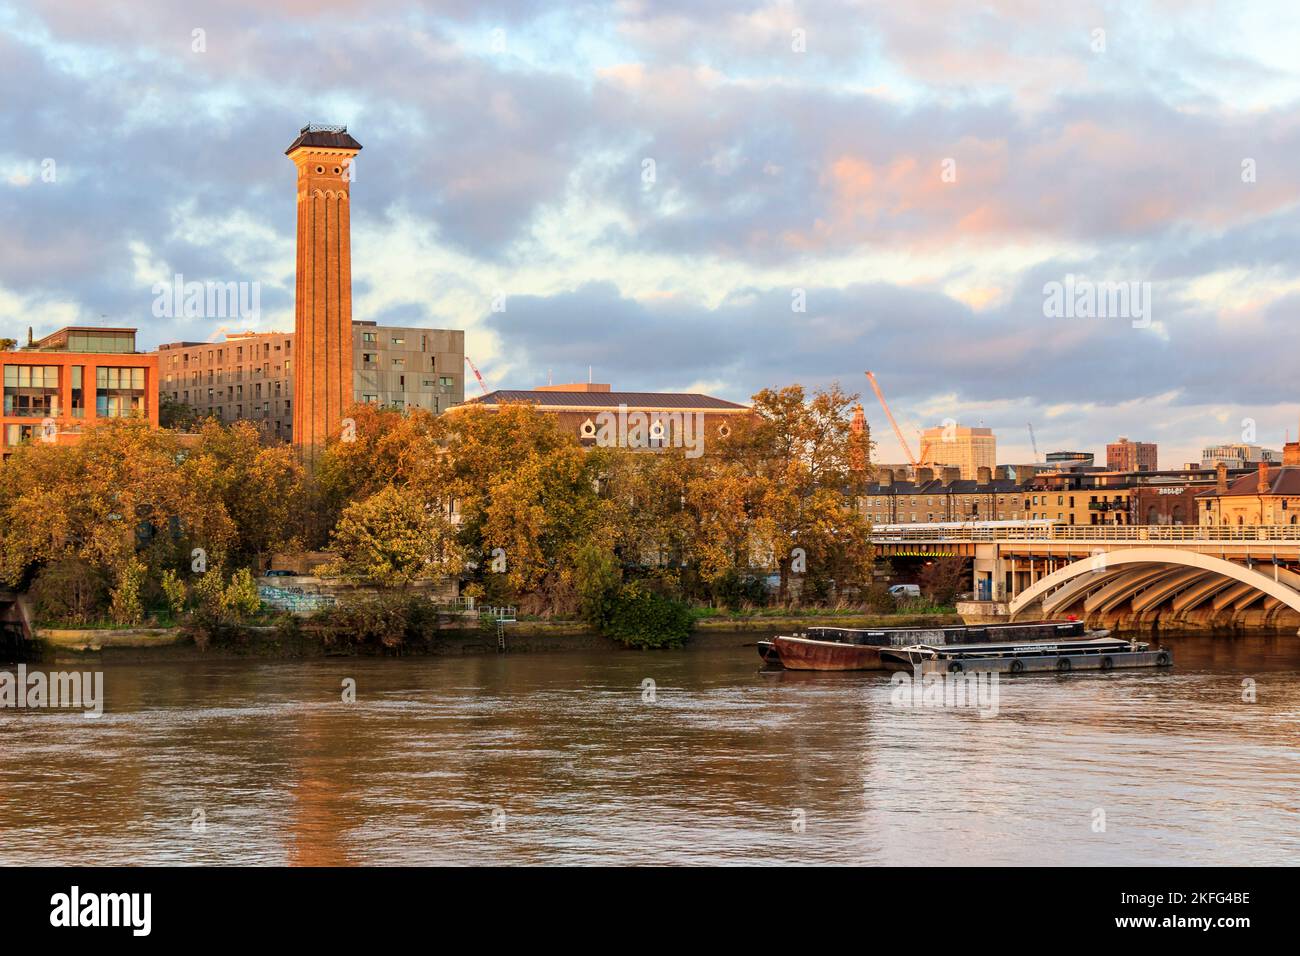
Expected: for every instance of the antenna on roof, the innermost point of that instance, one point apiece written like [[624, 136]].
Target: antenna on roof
[[588, 374]]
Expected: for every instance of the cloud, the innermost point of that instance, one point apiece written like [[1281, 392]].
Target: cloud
[[508, 145]]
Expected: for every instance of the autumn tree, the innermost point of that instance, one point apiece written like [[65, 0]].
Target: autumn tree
[[793, 468], [116, 495], [377, 447], [393, 538], [260, 487]]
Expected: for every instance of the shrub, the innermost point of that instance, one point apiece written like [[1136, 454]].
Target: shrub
[[383, 620], [642, 618], [126, 608], [69, 591], [175, 592], [736, 591], [597, 579], [241, 599]]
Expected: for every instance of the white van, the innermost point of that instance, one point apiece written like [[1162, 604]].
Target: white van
[[901, 592]]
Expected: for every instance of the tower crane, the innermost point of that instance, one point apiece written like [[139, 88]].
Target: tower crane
[[1033, 441], [898, 432], [474, 369]]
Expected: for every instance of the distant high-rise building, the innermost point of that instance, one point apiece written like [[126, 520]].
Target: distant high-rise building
[[1125, 455], [959, 446], [1237, 456]]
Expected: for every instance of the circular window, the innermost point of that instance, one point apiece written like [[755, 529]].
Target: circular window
[[588, 428], [724, 429], [337, 170], [320, 169]]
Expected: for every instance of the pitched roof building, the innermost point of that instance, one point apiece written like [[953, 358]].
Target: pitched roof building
[[597, 415], [1268, 496]]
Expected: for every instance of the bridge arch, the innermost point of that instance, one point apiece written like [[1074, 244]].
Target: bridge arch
[[1115, 567]]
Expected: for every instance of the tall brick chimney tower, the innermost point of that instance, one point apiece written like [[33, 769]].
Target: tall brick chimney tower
[[322, 359]]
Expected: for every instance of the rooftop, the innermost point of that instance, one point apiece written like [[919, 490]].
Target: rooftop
[[1283, 480], [324, 136], [552, 398], [86, 338]]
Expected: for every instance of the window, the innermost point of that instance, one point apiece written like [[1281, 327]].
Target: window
[[445, 381], [119, 392], [399, 363], [398, 340], [17, 434], [31, 391], [370, 399], [368, 338]]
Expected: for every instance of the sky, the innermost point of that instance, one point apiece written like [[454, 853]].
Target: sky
[[714, 197]]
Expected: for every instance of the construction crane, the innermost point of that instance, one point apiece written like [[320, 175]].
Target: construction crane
[[474, 369], [1033, 441], [898, 432]]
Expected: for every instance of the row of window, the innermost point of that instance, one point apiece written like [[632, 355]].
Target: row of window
[[218, 355], [33, 391]]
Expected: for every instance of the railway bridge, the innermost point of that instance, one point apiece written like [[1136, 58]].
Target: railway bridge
[[1194, 576]]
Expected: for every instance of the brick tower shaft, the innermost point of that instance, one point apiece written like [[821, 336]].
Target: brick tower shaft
[[322, 360]]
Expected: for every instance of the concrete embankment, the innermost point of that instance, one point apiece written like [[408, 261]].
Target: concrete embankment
[[174, 643]]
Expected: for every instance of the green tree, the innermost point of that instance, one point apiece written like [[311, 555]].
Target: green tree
[[127, 608], [241, 600], [175, 593], [393, 538], [177, 415], [597, 580], [641, 618]]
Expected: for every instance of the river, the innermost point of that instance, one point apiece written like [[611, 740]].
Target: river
[[573, 758]]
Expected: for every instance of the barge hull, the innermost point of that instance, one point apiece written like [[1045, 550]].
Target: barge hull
[[800, 654], [1029, 665]]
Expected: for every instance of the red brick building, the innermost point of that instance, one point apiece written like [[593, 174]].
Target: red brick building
[[54, 386], [1125, 455]]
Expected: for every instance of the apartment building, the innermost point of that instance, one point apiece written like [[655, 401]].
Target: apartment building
[[959, 446], [55, 385], [991, 496], [249, 375], [1125, 455]]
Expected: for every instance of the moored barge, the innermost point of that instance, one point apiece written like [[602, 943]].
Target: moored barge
[[1106, 653], [859, 649]]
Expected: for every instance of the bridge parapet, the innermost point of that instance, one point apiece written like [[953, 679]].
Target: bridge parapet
[[1172, 534]]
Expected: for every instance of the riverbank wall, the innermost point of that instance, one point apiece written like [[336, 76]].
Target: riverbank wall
[[523, 637]]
